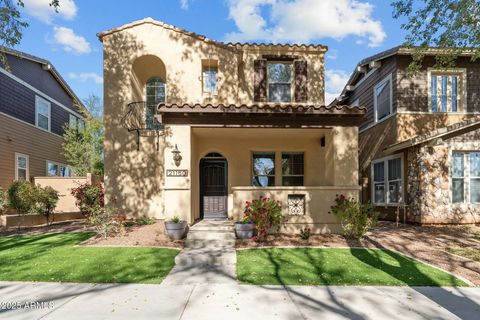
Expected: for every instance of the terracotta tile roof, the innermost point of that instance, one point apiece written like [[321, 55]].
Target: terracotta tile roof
[[229, 45], [262, 108]]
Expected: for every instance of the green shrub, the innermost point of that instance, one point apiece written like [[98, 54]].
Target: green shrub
[[88, 197], [22, 196], [144, 220], [356, 218], [3, 200], [47, 199], [265, 213]]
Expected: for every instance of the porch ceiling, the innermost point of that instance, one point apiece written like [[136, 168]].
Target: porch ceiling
[[261, 115]]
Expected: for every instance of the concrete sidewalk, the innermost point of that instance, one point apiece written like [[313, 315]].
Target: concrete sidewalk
[[233, 301]]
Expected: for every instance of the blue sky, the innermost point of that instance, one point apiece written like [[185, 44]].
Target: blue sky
[[352, 29]]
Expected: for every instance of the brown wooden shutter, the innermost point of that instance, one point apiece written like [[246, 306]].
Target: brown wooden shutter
[[260, 80], [301, 90]]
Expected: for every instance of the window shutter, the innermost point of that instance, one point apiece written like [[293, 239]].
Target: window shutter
[[301, 90], [260, 80]]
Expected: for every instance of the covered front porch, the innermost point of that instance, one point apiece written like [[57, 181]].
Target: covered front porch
[[223, 166]]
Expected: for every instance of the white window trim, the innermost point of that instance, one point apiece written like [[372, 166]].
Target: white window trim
[[461, 90], [17, 79], [18, 155], [466, 178], [386, 181], [56, 163], [387, 78], [292, 75], [40, 99]]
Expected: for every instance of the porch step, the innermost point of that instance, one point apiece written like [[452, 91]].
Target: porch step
[[206, 257], [212, 226], [210, 244], [210, 235]]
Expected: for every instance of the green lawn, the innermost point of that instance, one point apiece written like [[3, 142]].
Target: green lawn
[[336, 266], [54, 257], [469, 253]]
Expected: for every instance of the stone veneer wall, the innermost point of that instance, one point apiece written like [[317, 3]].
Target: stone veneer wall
[[428, 188]]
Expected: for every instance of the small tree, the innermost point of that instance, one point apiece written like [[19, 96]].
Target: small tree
[[83, 144], [47, 199], [22, 196], [88, 198]]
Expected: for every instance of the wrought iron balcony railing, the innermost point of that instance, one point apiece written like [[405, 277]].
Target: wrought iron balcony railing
[[140, 118]]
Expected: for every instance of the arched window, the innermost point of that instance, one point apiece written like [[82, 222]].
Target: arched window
[[155, 94]]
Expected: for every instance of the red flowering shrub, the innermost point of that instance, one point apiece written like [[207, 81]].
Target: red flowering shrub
[[356, 218], [265, 214], [88, 197]]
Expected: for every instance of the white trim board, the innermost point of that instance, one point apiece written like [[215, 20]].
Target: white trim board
[[29, 86], [30, 124]]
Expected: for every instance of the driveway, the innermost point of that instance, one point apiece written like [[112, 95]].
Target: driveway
[[233, 301]]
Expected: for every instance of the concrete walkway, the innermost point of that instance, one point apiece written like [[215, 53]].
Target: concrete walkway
[[209, 255], [233, 301]]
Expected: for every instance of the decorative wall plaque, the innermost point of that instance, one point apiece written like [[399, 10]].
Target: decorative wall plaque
[[177, 173], [296, 204]]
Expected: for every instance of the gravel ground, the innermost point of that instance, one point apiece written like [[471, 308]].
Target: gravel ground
[[69, 226], [139, 235], [427, 243]]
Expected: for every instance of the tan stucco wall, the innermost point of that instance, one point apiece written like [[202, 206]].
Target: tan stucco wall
[[64, 186], [137, 179], [318, 201]]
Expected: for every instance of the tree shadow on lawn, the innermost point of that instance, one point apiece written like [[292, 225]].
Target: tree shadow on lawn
[[462, 306], [302, 298], [53, 257]]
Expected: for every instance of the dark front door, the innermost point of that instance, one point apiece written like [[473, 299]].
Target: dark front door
[[213, 188]]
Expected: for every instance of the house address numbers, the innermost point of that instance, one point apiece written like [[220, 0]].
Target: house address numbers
[[177, 173]]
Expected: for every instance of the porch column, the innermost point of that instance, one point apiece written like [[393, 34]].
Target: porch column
[[177, 170]]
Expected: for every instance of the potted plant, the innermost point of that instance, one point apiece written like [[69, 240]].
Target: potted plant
[[176, 228], [244, 229]]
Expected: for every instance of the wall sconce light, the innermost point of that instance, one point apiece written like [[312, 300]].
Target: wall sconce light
[[177, 158]]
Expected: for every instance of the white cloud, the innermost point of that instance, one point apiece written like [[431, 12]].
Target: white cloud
[[184, 4], [335, 80], [70, 41], [42, 10], [304, 20], [86, 76]]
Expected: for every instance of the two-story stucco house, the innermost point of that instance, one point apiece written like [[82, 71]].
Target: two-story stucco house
[[420, 139], [35, 104], [196, 127]]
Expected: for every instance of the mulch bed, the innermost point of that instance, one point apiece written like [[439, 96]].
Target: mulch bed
[[60, 227], [137, 235], [426, 243]]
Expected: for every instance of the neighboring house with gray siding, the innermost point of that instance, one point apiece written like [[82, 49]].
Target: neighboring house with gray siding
[[419, 144], [35, 104]]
